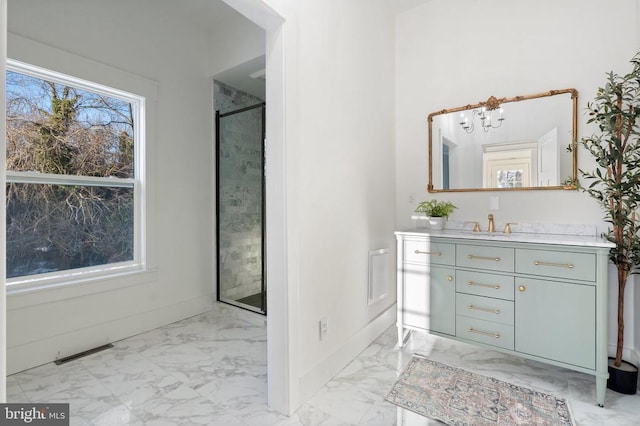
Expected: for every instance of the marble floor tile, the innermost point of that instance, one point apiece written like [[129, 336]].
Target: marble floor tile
[[14, 391], [49, 380], [171, 410], [308, 415], [345, 401], [211, 369], [237, 392]]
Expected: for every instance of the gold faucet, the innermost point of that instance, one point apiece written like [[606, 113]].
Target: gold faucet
[[492, 226], [507, 227], [476, 226]]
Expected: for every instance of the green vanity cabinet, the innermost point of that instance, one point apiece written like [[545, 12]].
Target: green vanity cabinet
[[442, 300], [415, 308], [556, 321], [427, 298], [542, 297]]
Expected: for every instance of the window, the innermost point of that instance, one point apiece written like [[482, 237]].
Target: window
[[509, 165], [74, 178]]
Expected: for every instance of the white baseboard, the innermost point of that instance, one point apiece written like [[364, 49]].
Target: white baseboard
[[32, 354], [322, 373], [635, 360], [628, 354]]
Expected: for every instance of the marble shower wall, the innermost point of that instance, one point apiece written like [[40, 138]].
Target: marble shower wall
[[227, 98], [240, 193]]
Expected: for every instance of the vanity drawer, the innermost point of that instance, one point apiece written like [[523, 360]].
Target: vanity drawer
[[483, 284], [485, 308], [559, 264], [489, 333], [425, 251], [485, 257]]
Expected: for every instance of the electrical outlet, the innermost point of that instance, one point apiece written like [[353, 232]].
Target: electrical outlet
[[323, 328]]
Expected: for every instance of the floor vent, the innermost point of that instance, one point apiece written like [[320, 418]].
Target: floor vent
[[81, 354]]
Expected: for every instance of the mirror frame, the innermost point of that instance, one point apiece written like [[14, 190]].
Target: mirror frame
[[493, 103]]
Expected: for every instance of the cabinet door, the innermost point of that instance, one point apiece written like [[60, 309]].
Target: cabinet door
[[428, 300], [442, 300], [415, 295], [556, 320]]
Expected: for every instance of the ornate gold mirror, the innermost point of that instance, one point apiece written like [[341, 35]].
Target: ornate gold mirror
[[505, 144]]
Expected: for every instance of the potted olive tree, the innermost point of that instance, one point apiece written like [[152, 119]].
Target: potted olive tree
[[615, 185], [436, 211]]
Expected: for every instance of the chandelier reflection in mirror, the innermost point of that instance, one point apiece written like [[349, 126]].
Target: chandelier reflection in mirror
[[490, 114]]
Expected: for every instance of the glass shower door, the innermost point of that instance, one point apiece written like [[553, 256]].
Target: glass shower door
[[240, 208]]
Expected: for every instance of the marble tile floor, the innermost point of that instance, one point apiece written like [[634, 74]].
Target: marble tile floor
[[211, 370]]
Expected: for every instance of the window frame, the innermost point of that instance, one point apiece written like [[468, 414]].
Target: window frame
[[32, 282]]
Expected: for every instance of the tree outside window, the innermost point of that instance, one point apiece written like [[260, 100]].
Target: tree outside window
[[71, 176]]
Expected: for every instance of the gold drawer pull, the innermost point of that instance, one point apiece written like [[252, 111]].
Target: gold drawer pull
[[484, 333], [433, 253], [478, 308], [494, 259], [493, 286], [449, 278], [558, 265]]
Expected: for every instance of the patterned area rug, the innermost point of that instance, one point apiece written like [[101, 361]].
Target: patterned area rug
[[458, 397]]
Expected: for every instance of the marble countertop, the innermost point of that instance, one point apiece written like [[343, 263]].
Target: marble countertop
[[538, 238]]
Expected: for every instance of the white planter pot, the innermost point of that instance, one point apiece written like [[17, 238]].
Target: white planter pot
[[436, 223]]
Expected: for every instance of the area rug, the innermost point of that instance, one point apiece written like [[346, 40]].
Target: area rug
[[458, 397]]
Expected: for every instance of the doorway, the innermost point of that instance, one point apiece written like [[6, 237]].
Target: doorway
[[240, 204]]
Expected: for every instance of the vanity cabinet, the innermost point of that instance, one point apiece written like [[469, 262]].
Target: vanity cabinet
[[556, 321], [429, 281], [540, 297]]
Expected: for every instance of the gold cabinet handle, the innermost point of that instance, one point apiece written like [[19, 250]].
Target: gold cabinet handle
[[522, 288], [449, 278], [557, 265], [432, 253], [490, 310], [494, 259], [484, 333], [493, 286]]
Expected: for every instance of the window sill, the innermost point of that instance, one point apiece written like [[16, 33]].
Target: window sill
[[23, 294]]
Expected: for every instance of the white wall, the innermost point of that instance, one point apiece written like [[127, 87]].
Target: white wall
[[339, 172], [234, 42], [146, 49], [338, 143], [450, 54], [636, 322], [3, 299]]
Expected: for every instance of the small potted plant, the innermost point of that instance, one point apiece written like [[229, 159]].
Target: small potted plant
[[436, 211]]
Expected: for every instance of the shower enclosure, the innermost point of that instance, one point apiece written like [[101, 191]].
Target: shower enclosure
[[240, 207]]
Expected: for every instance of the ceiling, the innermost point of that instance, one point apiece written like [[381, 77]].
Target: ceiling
[[399, 6], [209, 14], [248, 77], [204, 13]]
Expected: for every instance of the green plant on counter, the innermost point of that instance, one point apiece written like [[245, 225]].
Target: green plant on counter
[[435, 208]]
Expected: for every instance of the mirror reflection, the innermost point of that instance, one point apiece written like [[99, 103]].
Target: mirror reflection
[[505, 144]]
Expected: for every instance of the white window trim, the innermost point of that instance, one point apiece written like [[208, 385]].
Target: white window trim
[[48, 178], [29, 283]]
